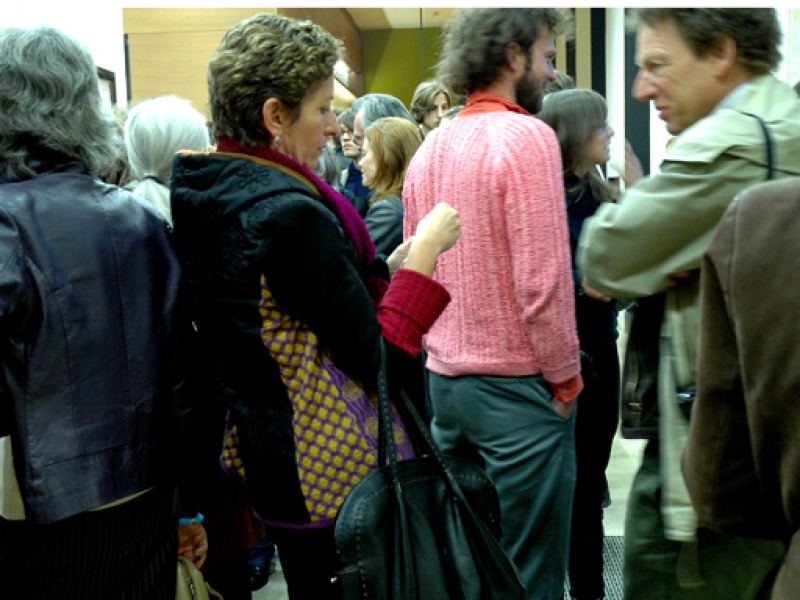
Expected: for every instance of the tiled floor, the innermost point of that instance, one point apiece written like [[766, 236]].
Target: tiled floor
[[625, 458]]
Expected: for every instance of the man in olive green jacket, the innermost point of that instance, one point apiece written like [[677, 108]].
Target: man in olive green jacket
[[707, 73]]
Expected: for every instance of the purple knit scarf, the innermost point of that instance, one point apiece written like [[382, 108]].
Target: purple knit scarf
[[340, 206]]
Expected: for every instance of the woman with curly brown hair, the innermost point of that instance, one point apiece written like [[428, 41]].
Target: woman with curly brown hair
[[285, 290]]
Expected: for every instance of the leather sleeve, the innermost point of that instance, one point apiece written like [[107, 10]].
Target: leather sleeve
[[385, 224], [718, 465], [11, 300]]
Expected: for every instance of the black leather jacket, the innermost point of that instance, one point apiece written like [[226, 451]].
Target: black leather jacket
[[88, 284]]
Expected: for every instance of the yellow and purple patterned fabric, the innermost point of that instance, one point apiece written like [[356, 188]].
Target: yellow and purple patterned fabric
[[335, 421]]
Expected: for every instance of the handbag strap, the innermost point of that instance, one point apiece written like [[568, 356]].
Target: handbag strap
[[386, 433], [767, 142]]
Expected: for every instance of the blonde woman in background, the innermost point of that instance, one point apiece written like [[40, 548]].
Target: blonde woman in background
[[154, 131], [389, 145]]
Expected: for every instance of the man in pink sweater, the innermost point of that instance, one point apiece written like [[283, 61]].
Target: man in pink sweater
[[503, 357]]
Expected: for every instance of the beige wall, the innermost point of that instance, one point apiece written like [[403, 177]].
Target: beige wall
[[169, 48]]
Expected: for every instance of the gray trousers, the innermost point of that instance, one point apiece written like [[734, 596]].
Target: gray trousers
[[509, 427]]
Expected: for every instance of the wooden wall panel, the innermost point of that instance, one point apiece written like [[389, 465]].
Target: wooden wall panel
[[173, 20], [169, 48], [583, 47], [338, 23]]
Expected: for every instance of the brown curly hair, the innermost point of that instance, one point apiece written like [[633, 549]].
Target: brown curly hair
[[475, 42], [755, 30], [266, 56]]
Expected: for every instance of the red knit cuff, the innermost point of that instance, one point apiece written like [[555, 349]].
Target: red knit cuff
[[409, 308], [569, 389]]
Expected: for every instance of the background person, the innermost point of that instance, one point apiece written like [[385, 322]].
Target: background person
[[503, 358], [271, 249], [371, 107], [155, 130], [389, 145], [741, 461], [430, 102], [707, 72], [579, 118], [351, 184], [88, 293]]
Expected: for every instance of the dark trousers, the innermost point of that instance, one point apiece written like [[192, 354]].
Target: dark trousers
[[722, 567], [129, 551], [595, 426], [509, 426], [230, 577], [308, 560]]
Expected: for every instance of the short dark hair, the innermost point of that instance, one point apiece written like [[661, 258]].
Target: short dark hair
[[266, 56], [756, 31], [346, 119], [475, 42]]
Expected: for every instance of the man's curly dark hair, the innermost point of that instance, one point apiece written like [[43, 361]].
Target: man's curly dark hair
[[475, 42]]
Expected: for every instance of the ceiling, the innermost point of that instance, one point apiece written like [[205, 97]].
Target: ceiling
[[399, 18]]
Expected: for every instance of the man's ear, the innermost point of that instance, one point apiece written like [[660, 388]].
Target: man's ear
[[723, 55], [273, 117], [513, 55]]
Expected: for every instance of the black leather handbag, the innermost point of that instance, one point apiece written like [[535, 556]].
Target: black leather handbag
[[422, 528], [640, 370]]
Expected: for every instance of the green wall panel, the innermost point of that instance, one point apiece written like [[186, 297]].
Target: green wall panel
[[393, 63]]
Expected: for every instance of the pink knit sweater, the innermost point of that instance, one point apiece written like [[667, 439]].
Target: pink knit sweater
[[512, 311]]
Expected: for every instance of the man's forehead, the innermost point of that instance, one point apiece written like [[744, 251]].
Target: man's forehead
[[656, 42], [545, 45]]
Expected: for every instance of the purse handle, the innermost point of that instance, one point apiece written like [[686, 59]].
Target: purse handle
[[387, 447], [767, 143], [386, 440]]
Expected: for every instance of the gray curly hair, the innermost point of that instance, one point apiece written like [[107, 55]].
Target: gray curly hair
[[50, 99], [266, 56]]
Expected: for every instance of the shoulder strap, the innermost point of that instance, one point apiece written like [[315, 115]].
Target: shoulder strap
[[767, 143]]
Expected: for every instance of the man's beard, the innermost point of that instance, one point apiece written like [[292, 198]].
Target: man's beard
[[529, 94]]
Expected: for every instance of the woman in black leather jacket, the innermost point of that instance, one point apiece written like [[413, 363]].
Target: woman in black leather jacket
[[88, 285]]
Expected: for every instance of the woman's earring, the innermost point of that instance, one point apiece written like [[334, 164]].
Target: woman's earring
[[277, 141]]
